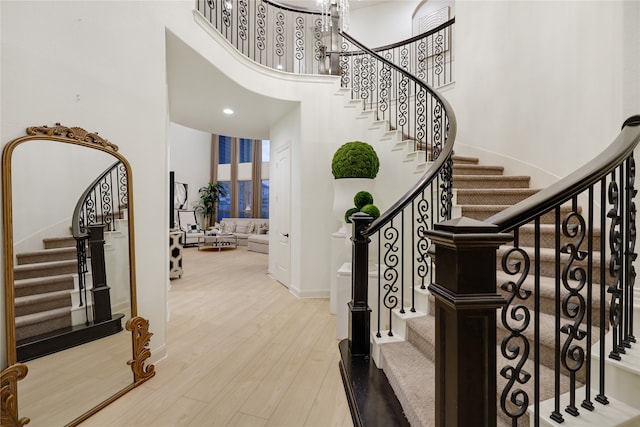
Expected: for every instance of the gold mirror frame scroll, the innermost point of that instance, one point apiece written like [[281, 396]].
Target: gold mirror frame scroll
[[138, 326]]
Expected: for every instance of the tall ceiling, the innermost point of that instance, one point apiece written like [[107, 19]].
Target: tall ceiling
[[199, 92]]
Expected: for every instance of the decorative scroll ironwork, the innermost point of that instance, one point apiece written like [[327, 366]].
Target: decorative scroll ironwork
[[422, 243], [391, 273], [403, 101], [439, 57], [299, 38], [615, 265], [573, 303], [446, 189], [261, 27], [436, 144], [279, 34], [515, 319], [243, 24], [318, 46], [631, 249], [226, 13], [140, 338]]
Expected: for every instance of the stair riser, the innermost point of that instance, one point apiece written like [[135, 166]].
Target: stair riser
[[44, 327], [501, 182], [23, 259], [495, 198], [35, 272], [476, 170], [55, 243], [50, 304], [23, 291]]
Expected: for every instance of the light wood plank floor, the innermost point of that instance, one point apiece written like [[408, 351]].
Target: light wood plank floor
[[242, 351]]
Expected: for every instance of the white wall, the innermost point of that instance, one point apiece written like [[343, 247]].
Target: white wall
[[101, 66], [540, 81], [190, 158], [380, 25]]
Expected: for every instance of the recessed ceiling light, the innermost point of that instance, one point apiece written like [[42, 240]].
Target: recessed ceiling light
[[228, 111], [279, 66]]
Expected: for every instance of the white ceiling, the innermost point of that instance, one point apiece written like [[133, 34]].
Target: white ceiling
[[198, 92], [313, 4]]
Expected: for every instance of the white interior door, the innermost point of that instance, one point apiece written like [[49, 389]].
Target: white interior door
[[283, 215]]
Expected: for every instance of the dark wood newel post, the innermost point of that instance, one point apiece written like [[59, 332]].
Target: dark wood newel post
[[465, 311], [100, 290], [359, 311]]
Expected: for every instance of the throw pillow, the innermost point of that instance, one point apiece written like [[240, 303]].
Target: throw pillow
[[251, 227]]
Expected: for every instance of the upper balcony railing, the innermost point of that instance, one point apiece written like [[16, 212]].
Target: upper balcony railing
[[305, 41], [277, 36]]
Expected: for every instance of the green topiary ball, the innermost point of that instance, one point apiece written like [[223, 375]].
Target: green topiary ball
[[362, 198], [372, 210], [355, 159], [348, 214]]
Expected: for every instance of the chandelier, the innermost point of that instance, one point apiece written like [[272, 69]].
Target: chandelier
[[342, 7]]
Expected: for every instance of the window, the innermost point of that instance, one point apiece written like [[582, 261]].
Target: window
[[224, 150], [244, 199], [243, 171], [264, 198], [246, 150], [224, 204]]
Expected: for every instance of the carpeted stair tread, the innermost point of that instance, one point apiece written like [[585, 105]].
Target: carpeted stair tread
[[43, 322], [24, 287], [467, 160], [492, 196], [462, 169], [41, 269], [420, 332], [412, 376], [490, 181], [47, 255], [59, 242], [31, 304]]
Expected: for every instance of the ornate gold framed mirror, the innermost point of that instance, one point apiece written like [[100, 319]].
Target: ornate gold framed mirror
[[69, 278]]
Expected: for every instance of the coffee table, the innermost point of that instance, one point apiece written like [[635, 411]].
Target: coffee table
[[218, 241]]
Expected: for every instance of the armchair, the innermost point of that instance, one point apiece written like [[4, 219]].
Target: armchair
[[188, 224]]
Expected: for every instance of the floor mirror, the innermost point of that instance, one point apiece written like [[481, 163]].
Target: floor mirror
[[74, 340]]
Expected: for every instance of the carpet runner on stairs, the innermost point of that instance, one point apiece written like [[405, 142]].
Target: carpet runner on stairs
[[43, 282]]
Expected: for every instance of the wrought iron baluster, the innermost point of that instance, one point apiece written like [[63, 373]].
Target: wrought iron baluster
[[615, 268], [391, 260], [630, 254], [515, 318], [601, 397], [379, 313]]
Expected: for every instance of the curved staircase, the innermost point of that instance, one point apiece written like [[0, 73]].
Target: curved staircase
[[408, 357]]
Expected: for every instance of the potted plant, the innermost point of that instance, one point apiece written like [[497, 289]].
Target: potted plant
[[354, 166], [208, 203]]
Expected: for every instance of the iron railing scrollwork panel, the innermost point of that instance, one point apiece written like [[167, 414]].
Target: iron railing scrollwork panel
[[593, 278], [426, 121]]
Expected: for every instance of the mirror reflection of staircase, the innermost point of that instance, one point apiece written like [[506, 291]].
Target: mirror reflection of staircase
[[49, 316]]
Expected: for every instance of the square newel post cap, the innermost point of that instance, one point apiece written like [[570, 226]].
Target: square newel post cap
[[467, 232]]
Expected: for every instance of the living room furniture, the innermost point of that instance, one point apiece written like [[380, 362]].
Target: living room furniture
[[175, 254], [258, 243], [218, 241], [244, 228], [188, 224]]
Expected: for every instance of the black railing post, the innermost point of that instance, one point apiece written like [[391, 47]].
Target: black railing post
[[359, 311], [100, 291], [465, 311]]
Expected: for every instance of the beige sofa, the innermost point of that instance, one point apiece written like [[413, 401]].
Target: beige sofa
[[244, 228]]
